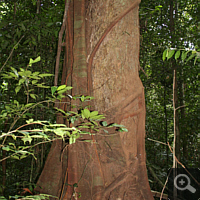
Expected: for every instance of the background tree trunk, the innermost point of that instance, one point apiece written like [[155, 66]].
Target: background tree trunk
[[113, 166]]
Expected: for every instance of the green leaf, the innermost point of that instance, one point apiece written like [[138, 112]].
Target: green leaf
[[85, 113], [34, 77], [23, 132], [104, 123], [34, 61], [17, 89], [16, 102], [94, 113], [183, 56], [15, 71], [105, 131], [95, 123], [12, 144], [43, 75], [29, 121], [123, 130], [14, 136], [8, 108], [190, 57], [23, 156], [12, 75], [6, 148], [97, 117], [164, 54], [62, 91], [2, 198], [29, 105], [27, 139], [82, 98], [37, 59], [25, 73], [115, 125], [84, 126], [195, 60], [53, 89], [42, 86], [69, 88], [15, 157], [61, 87], [59, 97], [73, 119], [33, 96], [21, 81], [170, 54], [34, 82], [177, 55], [59, 132], [35, 73]]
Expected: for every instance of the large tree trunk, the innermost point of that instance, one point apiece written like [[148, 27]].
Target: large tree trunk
[[113, 166]]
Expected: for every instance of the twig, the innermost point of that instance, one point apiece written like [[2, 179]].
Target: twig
[[183, 166], [156, 141], [165, 184], [60, 42], [180, 107], [28, 148], [143, 71], [15, 121], [11, 53]]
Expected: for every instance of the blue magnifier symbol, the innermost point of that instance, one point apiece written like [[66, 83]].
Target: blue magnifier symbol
[[180, 179]]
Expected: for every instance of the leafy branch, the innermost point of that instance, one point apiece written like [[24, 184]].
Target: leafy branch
[[183, 53], [83, 121]]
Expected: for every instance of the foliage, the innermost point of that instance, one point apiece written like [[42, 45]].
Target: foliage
[[14, 111], [22, 137], [169, 53], [27, 30], [167, 45]]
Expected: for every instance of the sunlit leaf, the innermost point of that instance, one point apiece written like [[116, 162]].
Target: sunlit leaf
[[61, 87], [94, 113], [34, 82], [164, 54], [85, 113], [177, 55], [34, 61], [44, 75], [170, 54], [82, 98], [27, 139], [62, 91], [33, 96], [21, 81], [6, 148]]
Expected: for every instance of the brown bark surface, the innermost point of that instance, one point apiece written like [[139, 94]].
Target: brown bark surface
[[113, 166]]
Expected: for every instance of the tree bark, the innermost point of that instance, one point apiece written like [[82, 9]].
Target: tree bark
[[113, 166]]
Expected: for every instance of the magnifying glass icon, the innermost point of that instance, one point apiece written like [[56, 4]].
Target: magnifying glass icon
[[183, 185]]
